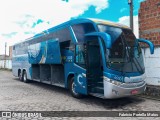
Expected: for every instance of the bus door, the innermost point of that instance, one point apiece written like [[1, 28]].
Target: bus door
[[94, 66], [80, 76]]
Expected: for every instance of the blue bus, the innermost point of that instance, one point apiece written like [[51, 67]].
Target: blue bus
[[87, 56]]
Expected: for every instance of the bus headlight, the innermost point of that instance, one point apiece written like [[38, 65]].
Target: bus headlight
[[116, 82], [112, 81]]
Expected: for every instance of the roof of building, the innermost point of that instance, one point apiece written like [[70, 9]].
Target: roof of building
[[2, 57]]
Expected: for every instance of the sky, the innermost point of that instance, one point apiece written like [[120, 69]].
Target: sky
[[21, 19]]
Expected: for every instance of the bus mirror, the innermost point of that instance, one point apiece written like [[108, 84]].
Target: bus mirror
[[151, 45], [106, 37]]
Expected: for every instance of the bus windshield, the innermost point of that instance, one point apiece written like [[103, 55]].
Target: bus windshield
[[125, 54]]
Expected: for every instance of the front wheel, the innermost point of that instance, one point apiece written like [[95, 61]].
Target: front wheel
[[25, 77], [72, 89]]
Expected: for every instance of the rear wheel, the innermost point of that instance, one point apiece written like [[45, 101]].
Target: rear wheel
[[25, 77], [72, 89]]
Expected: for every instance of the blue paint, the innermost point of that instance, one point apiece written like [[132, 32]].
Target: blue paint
[[151, 45], [105, 37], [30, 71], [63, 25], [49, 52], [119, 78], [73, 35]]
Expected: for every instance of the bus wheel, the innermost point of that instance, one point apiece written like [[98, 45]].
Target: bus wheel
[[72, 89], [25, 77], [20, 75]]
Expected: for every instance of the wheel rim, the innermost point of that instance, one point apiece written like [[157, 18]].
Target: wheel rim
[[20, 76], [24, 77], [73, 89]]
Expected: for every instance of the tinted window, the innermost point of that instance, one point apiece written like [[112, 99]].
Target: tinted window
[[61, 35], [125, 54], [81, 29], [80, 55], [67, 45], [20, 49]]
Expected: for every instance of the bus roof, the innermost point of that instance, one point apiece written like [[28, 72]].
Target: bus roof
[[110, 23], [76, 21]]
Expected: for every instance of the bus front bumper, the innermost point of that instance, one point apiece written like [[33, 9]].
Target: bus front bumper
[[125, 89]]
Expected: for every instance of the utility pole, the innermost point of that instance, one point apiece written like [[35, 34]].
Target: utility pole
[[5, 55], [130, 2]]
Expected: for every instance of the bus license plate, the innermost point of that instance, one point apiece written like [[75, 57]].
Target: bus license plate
[[134, 92]]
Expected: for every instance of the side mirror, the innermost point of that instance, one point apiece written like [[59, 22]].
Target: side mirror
[[106, 38], [150, 44]]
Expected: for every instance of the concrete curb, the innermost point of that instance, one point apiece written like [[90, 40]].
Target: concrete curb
[[5, 69], [152, 92]]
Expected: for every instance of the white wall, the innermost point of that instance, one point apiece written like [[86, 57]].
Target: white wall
[[8, 64], [152, 65]]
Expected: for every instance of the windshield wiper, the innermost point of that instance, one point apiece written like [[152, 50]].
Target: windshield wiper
[[126, 53], [131, 58], [135, 59]]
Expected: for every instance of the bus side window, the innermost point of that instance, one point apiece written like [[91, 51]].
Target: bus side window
[[81, 29], [68, 45], [80, 55]]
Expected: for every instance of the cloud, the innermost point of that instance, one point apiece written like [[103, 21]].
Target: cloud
[[28, 17], [9, 35], [126, 21]]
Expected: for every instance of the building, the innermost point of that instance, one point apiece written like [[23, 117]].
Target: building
[[2, 57], [5, 62], [10, 52], [149, 28]]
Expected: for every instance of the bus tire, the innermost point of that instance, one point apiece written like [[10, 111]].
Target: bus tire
[[24, 76], [20, 75], [72, 89]]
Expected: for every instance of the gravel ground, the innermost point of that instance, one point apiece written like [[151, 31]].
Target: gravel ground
[[18, 96]]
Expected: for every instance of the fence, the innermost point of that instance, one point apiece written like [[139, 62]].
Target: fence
[[8, 64]]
